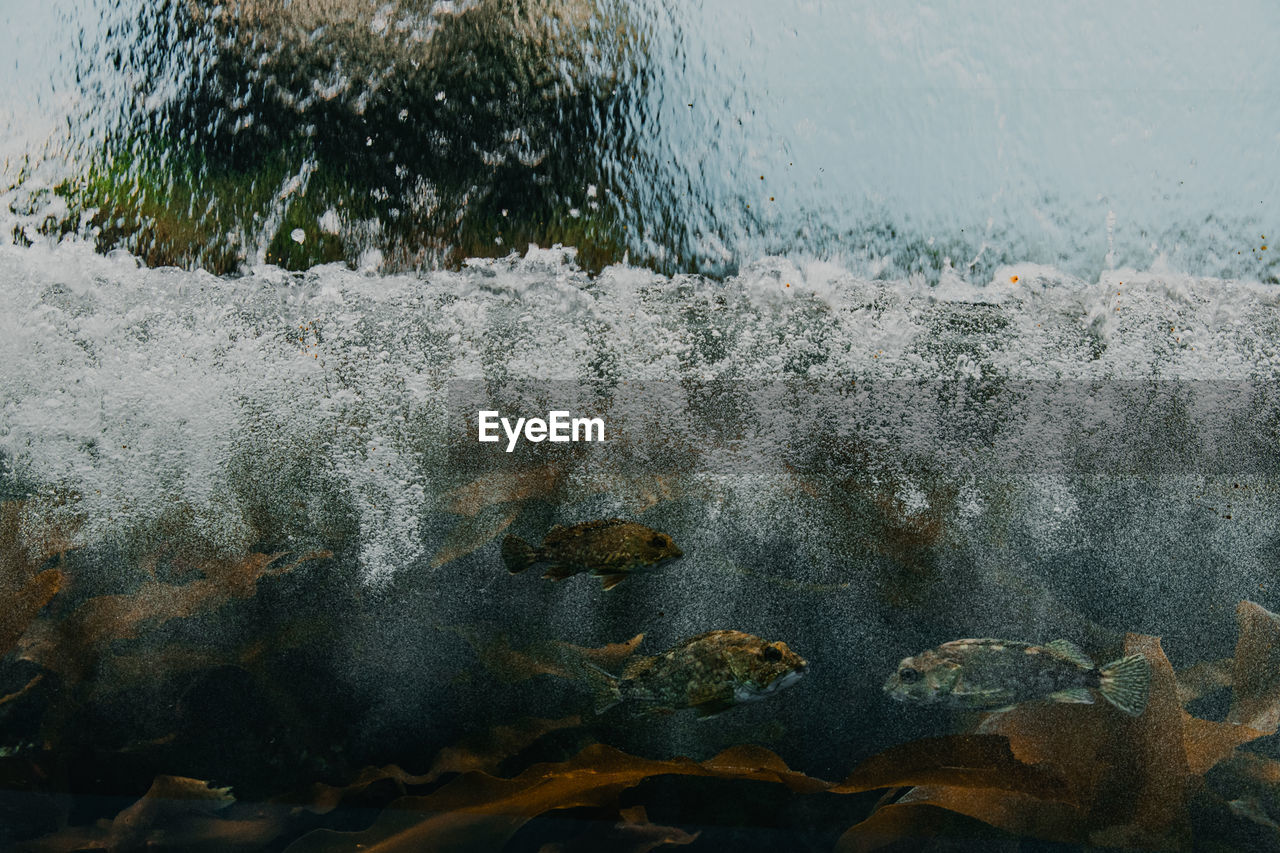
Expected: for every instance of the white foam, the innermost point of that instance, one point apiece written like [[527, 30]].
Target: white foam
[[141, 391]]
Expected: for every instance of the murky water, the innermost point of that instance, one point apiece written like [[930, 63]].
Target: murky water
[[906, 326]]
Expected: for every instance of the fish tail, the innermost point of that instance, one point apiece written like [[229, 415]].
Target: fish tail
[[605, 686], [1125, 683], [518, 554]]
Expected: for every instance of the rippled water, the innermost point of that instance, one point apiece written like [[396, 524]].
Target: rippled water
[[954, 320], [690, 137]]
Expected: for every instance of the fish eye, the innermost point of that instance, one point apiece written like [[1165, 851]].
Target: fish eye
[[771, 653], [907, 675], [658, 542]]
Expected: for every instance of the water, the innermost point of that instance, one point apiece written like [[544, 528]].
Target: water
[[711, 134], [906, 325]]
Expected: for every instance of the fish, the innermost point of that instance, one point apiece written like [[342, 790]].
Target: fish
[[709, 673], [989, 674], [610, 549]]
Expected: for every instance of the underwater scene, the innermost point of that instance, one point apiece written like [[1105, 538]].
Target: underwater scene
[[559, 426]]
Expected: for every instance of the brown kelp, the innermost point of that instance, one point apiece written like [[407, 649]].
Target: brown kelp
[[480, 812], [1128, 781], [26, 586], [1085, 776], [75, 643]]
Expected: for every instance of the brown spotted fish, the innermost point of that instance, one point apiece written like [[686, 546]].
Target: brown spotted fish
[[609, 549], [998, 674], [710, 673]]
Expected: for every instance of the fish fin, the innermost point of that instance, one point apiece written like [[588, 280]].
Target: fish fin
[[604, 684], [518, 554], [1125, 683], [1068, 650], [1002, 709], [706, 710], [1073, 695], [558, 572], [610, 581]]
